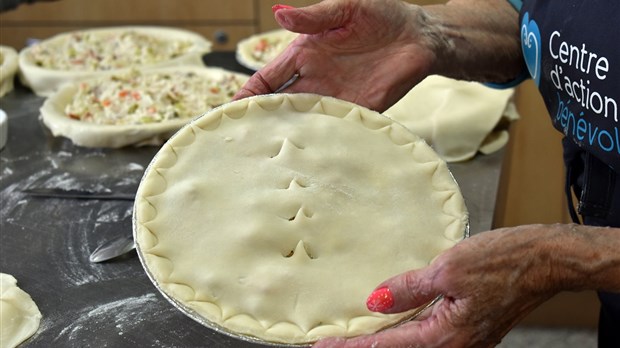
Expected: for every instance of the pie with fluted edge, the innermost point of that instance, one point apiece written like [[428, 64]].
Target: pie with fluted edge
[[257, 50], [272, 218], [137, 107], [91, 53], [8, 69]]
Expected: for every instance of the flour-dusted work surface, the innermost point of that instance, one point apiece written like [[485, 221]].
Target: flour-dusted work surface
[[46, 242]]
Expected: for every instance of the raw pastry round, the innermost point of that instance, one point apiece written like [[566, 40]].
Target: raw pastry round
[[44, 81], [113, 136], [274, 217], [457, 118], [8, 68], [257, 50], [19, 315]]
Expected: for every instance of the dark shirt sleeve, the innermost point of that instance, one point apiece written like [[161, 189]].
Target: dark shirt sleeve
[[516, 4], [6, 5]]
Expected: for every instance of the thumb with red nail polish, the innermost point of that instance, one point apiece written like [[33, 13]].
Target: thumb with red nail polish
[[400, 293], [380, 300], [277, 7], [319, 17]]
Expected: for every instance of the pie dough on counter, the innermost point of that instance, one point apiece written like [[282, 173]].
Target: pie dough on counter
[[272, 218], [19, 315], [458, 118], [8, 69], [45, 80]]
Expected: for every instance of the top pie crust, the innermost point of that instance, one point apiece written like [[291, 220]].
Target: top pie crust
[[274, 217]]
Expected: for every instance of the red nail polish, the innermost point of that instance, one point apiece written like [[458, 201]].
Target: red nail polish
[[380, 300], [277, 7]]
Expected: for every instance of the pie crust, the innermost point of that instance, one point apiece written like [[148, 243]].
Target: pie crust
[[274, 42], [457, 118], [19, 315], [272, 218], [89, 134], [8, 68], [44, 81]]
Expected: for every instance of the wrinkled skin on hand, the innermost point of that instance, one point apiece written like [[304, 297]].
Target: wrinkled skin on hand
[[488, 282], [370, 52]]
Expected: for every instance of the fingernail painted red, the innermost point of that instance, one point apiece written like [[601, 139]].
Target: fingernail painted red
[[277, 7], [380, 300]]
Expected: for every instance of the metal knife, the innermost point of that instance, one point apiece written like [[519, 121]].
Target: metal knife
[[112, 249], [78, 194]]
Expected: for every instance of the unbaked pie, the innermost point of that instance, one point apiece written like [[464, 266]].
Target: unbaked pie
[[8, 68], [137, 107], [83, 54], [272, 218], [257, 50]]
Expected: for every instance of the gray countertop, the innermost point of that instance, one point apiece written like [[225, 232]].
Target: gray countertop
[[45, 243]]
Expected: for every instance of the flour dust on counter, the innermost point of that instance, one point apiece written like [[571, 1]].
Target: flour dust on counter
[[76, 227], [66, 181], [121, 316], [13, 199], [99, 222], [6, 171], [113, 212]]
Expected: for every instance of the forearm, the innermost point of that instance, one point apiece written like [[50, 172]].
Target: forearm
[[584, 257], [475, 40]]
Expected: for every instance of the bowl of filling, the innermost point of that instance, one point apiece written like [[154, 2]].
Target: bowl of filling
[[84, 54]]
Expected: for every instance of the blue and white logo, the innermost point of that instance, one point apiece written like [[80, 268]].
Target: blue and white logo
[[530, 44]]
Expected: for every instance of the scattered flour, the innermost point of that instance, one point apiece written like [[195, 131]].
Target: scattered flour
[[12, 198], [122, 316]]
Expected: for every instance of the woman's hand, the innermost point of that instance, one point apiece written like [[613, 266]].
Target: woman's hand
[[491, 281], [370, 52]]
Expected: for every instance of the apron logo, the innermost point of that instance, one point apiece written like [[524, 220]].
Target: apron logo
[[530, 44]]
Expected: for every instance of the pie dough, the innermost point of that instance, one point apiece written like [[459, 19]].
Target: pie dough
[[458, 118], [89, 134], [44, 81], [19, 315], [8, 68], [256, 51], [274, 217]]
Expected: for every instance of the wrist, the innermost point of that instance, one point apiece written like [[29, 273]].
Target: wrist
[[475, 40], [586, 257]]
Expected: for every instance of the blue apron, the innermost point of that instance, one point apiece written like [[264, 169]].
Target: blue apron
[[572, 52]]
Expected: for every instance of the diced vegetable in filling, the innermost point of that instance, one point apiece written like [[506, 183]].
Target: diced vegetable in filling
[[92, 51], [140, 98]]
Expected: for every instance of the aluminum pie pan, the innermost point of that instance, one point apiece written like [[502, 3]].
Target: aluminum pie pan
[[231, 333]]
